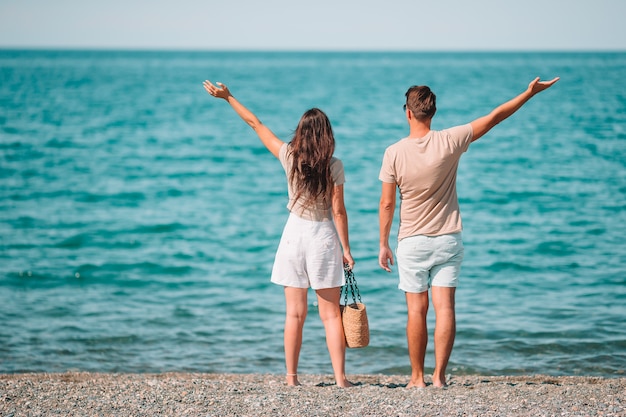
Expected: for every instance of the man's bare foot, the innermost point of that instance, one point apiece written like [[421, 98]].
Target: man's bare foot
[[439, 382], [416, 384]]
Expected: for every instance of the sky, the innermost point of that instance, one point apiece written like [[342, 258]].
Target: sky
[[359, 25]]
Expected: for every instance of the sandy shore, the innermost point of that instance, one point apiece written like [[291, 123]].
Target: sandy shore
[[194, 394]]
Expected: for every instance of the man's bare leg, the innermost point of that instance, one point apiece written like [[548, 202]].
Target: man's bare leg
[[445, 331], [417, 336]]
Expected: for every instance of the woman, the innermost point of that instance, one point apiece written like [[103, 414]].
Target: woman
[[310, 250]]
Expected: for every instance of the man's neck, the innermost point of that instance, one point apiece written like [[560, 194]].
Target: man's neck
[[419, 129]]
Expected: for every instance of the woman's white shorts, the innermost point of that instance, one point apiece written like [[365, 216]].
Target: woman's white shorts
[[309, 254]]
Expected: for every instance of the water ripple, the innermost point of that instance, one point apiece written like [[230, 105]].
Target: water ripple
[[138, 225]]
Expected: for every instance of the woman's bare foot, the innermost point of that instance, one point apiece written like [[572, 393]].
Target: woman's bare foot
[[292, 380], [345, 384]]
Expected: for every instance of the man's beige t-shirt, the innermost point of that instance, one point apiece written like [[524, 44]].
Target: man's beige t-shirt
[[424, 170], [321, 211]]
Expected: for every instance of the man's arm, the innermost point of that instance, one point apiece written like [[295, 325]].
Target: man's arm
[[484, 124], [268, 138], [385, 217]]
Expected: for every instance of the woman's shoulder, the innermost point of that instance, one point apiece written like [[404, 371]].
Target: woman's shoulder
[[282, 152], [334, 161], [337, 171]]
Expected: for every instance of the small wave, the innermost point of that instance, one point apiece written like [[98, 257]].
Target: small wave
[[101, 239], [554, 248], [74, 242], [125, 197], [159, 228], [28, 278], [508, 266], [59, 144], [139, 268], [184, 313], [7, 172], [25, 222], [172, 192], [10, 130], [526, 195], [25, 195], [598, 231]]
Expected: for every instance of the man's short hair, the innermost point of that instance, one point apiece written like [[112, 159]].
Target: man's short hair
[[421, 101]]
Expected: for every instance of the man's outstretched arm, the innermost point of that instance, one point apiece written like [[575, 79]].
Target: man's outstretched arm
[[484, 124]]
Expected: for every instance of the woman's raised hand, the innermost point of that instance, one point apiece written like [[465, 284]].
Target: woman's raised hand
[[218, 91]]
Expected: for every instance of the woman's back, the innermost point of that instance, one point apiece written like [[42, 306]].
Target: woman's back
[[318, 209]]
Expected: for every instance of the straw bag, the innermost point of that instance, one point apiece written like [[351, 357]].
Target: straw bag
[[354, 316]]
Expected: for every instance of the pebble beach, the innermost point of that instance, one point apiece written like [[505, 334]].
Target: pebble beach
[[200, 394]]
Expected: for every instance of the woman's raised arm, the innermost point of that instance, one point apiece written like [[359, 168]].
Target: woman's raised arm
[[268, 138]]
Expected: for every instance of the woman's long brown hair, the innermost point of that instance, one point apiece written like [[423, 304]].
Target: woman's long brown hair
[[312, 147]]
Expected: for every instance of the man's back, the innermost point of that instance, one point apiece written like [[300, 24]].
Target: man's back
[[425, 171]]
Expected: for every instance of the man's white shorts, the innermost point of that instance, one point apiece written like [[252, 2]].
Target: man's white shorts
[[309, 254], [425, 261]]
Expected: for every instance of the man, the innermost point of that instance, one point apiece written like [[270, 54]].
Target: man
[[430, 249]]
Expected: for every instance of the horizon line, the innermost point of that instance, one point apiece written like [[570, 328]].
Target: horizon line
[[304, 50]]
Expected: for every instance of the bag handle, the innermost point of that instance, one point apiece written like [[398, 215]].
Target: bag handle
[[350, 286]]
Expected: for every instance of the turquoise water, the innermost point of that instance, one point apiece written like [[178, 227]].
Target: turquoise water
[[139, 217]]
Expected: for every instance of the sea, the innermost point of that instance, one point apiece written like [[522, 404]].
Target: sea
[[139, 216]]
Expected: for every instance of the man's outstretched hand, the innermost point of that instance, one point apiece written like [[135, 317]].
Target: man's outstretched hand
[[537, 86]]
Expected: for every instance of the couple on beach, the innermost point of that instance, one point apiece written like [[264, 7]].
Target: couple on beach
[[315, 246]]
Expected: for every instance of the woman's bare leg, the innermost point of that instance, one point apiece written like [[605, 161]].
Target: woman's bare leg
[[328, 301], [296, 301]]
